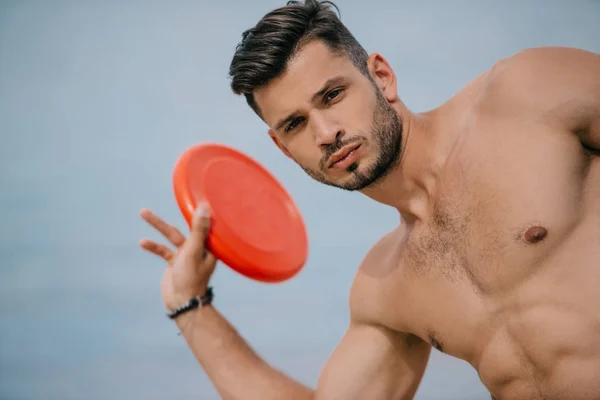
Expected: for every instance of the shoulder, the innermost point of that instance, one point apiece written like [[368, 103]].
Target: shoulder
[[545, 58], [541, 73], [533, 64], [378, 270], [543, 82]]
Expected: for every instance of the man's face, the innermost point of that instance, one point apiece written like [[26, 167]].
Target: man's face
[[332, 120]]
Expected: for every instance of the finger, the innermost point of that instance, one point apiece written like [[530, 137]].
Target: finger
[[199, 231], [156, 248], [170, 232], [209, 258], [209, 263]]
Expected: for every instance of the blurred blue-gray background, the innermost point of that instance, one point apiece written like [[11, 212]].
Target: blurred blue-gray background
[[98, 99]]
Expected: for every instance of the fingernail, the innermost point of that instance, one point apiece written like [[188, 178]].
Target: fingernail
[[203, 210]]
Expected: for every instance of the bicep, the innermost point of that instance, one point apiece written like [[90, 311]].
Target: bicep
[[374, 363]]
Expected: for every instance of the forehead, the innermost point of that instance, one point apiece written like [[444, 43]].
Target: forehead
[[305, 74]]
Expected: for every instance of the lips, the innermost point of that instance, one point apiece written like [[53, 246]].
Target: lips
[[342, 153]]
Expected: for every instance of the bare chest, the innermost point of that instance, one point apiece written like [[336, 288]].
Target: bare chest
[[508, 199], [504, 273]]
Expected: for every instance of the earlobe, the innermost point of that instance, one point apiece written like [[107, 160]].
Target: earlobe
[[279, 145], [383, 75]]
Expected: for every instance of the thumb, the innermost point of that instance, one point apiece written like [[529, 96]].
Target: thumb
[[199, 231]]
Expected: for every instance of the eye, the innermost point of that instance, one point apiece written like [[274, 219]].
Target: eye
[[332, 95], [295, 122]]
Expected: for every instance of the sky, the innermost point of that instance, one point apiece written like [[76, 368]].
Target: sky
[[97, 101]]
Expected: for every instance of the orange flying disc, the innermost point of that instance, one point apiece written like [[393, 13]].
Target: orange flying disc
[[256, 228]]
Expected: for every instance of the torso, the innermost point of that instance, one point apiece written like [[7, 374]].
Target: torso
[[505, 272]]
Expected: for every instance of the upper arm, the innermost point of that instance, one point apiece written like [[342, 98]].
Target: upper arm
[[559, 85], [374, 363]]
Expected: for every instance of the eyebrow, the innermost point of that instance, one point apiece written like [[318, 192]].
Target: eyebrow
[[326, 86]]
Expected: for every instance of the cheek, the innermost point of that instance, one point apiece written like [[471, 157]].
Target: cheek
[[356, 113], [303, 151]]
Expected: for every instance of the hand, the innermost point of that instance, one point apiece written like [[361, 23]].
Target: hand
[[190, 265]]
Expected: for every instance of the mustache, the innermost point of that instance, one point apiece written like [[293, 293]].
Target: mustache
[[332, 148]]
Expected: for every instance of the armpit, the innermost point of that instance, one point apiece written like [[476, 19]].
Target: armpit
[[590, 136]]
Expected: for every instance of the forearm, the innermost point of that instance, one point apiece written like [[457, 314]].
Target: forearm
[[233, 367]]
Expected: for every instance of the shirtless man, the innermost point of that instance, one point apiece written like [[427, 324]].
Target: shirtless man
[[496, 259]]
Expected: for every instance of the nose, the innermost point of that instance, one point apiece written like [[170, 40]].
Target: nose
[[326, 131]]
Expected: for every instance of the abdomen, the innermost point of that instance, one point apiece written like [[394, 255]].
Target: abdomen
[[545, 342]]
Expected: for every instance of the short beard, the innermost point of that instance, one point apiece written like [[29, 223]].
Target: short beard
[[386, 129]]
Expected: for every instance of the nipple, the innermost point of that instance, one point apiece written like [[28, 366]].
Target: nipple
[[535, 234]]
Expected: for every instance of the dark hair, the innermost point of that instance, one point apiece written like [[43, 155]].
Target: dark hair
[[266, 49]]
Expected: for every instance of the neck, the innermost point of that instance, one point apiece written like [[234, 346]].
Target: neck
[[411, 186]]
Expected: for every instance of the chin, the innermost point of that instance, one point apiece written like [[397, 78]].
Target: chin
[[352, 167], [359, 177]]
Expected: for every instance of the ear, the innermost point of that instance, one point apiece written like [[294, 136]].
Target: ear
[[279, 145], [383, 75]]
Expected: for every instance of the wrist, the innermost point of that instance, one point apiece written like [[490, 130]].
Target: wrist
[[191, 304], [186, 323], [182, 297]]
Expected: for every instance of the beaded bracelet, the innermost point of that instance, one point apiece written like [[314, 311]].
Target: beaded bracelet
[[203, 300]]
